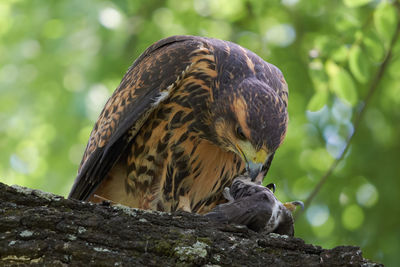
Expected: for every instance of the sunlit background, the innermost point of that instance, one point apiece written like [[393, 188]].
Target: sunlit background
[[61, 60]]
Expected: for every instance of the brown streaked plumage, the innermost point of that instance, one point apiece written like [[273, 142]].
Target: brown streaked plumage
[[190, 114]]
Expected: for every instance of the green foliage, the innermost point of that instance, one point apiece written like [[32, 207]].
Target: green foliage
[[385, 20], [341, 83], [356, 3], [61, 60], [358, 64]]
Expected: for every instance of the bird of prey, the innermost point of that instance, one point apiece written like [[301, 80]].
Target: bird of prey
[[190, 115], [255, 206]]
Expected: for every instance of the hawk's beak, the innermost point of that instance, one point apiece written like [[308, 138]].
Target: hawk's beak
[[257, 162], [253, 169]]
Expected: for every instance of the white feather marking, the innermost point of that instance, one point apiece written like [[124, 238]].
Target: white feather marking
[[161, 97], [275, 218], [166, 93]]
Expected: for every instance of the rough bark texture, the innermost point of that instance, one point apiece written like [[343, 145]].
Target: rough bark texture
[[43, 229]]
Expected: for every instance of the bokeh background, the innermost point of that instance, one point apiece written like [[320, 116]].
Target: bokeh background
[[61, 60]]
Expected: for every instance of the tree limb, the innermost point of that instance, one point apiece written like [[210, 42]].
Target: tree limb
[[39, 228]]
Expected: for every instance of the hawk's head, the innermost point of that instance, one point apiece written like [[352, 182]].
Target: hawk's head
[[254, 123]]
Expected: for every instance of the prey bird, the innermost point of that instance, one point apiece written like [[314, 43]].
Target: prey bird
[[190, 115], [253, 205]]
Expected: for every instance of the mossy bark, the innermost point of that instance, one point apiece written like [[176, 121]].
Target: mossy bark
[[39, 228]]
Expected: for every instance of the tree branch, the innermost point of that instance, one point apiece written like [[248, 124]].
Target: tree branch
[[42, 229]]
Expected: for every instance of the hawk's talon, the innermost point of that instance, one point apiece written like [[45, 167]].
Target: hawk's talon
[[293, 205], [271, 187]]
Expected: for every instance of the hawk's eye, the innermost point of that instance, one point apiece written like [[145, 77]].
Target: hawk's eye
[[240, 134]]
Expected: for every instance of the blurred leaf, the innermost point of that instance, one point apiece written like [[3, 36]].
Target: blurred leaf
[[352, 217], [325, 229], [326, 44], [358, 64], [341, 83], [356, 3], [227, 9], [318, 101], [394, 68], [318, 75], [340, 54], [385, 19], [373, 46]]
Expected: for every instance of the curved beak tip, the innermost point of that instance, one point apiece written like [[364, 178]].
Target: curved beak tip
[[253, 169]]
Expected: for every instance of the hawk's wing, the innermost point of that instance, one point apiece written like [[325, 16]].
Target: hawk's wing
[[149, 81]]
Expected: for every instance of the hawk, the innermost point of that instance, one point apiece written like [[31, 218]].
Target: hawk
[[190, 115]]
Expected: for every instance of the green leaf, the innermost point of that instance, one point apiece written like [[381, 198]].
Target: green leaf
[[359, 65], [385, 19], [373, 46], [340, 54], [341, 83], [331, 68], [318, 75], [356, 3], [318, 101], [394, 68]]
